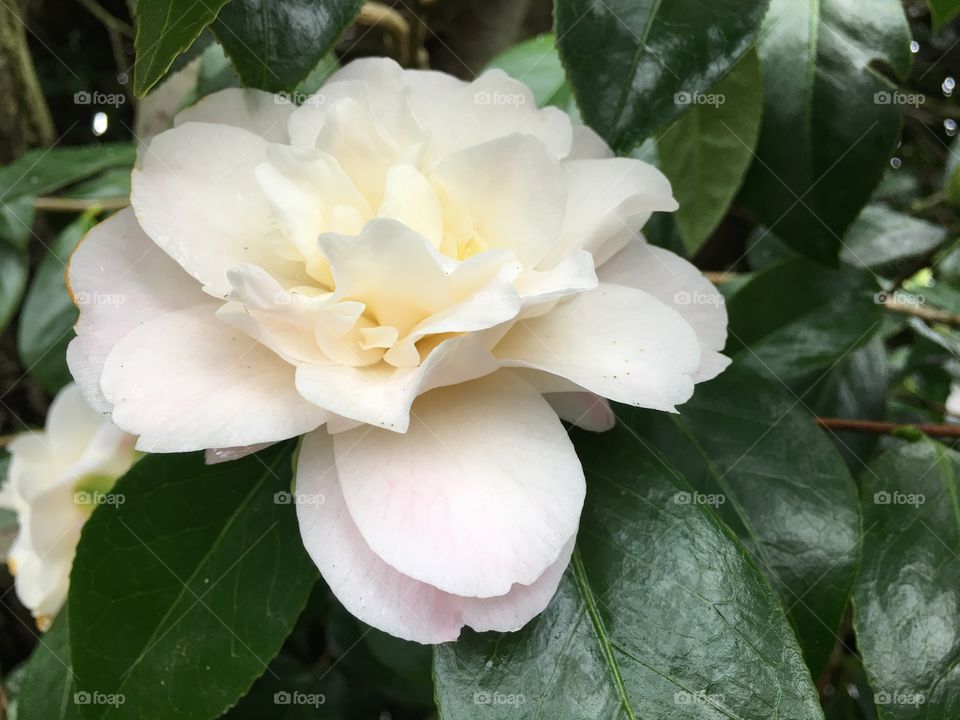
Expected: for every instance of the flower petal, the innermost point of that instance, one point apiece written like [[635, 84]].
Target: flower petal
[[381, 394], [187, 381], [583, 409], [679, 284], [510, 193], [195, 193], [377, 593], [608, 200], [262, 113], [618, 342], [482, 492], [119, 279]]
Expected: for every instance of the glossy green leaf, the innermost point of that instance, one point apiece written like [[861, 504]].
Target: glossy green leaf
[[706, 153], [13, 281], [660, 615], [747, 444], [165, 29], [42, 171], [536, 63], [183, 592], [274, 45], [47, 683], [882, 239], [632, 65], [16, 221], [908, 592], [943, 11], [48, 316], [110, 184], [830, 120], [795, 318]]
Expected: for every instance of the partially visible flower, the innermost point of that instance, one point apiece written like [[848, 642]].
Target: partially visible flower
[[56, 478], [422, 276], [953, 403]]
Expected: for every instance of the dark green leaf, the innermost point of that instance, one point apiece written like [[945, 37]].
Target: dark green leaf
[[951, 173], [274, 45], [631, 64], [908, 592], [42, 171], [795, 318], [706, 153], [943, 11], [13, 281], [182, 593], [112, 183], [881, 239], [48, 317], [536, 63], [830, 121], [47, 683], [660, 615], [166, 28], [16, 220], [749, 445]]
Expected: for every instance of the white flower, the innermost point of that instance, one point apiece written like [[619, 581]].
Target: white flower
[[56, 478], [408, 269]]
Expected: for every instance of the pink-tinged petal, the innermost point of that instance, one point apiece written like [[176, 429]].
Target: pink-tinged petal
[[188, 381], [679, 284], [482, 492], [381, 394], [506, 193], [262, 113], [119, 279], [608, 201], [618, 342], [215, 456], [583, 409], [377, 593], [196, 194]]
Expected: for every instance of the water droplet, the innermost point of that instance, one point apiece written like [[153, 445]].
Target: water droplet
[[950, 125], [100, 123], [914, 46], [895, 162], [948, 85]]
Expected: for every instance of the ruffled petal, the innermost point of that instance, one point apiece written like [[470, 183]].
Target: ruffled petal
[[262, 113]]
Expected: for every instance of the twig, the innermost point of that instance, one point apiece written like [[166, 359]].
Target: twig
[[376, 14], [69, 205], [878, 427], [932, 315], [719, 278]]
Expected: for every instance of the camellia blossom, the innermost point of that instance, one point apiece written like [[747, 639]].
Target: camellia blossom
[[55, 479], [420, 275]]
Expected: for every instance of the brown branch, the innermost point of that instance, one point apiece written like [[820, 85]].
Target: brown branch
[[878, 427], [932, 315], [374, 14]]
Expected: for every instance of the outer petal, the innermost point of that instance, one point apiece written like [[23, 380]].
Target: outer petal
[[583, 409], [196, 195], [482, 492], [119, 279], [187, 381], [679, 284], [262, 113], [608, 200], [618, 342], [377, 593]]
